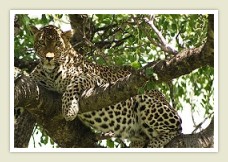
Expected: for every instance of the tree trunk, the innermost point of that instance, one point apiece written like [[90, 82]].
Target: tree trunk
[[23, 128]]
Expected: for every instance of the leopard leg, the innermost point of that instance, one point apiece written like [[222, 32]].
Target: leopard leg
[[70, 98], [158, 120], [137, 144], [159, 134], [161, 141], [154, 142], [70, 106]]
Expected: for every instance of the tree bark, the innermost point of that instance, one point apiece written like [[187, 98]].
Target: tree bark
[[23, 128], [45, 107], [203, 139]]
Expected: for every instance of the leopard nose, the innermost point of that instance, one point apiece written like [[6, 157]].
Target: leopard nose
[[49, 56]]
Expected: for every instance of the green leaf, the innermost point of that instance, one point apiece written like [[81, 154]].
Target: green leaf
[[51, 141], [136, 64], [110, 143], [44, 18], [149, 72], [141, 90], [150, 85]]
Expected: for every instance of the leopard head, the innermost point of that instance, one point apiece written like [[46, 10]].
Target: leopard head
[[50, 44]]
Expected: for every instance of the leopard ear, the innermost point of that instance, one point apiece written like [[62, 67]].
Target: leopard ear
[[67, 34], [34, 29]]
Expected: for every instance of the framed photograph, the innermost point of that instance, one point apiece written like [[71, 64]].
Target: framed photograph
[[114, 81]]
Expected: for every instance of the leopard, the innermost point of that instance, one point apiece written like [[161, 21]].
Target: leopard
[[146, 120]]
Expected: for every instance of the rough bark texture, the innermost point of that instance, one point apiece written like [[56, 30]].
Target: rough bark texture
[[96, 98], [188, 60], [45, 106], [23, 128], [83, 31], [203, 139]]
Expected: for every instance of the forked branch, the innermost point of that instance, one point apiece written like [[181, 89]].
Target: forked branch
[[163, 44]]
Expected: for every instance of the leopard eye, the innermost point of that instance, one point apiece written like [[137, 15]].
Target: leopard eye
[[40, 43], [58, 44]]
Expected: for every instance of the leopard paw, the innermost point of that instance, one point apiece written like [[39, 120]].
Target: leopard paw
[[70, 113]]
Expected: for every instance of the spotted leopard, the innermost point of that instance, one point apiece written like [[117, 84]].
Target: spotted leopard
[[146, 120]]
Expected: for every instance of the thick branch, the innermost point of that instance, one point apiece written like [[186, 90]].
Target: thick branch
[[109, 94], [83, 31], [183, 63], [23, 127], [203, 139], [45, 107], [189, 59], [22, 64]]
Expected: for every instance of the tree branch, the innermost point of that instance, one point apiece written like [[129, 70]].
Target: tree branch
[[187, 60], [163, 44], [71, 134], [203, 139], [45, 107], [182, 63], [23, 127]]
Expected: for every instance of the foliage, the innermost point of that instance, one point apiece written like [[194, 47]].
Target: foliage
[[23, 40], [125, 39]]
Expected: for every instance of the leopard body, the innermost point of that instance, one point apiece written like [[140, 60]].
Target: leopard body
[[147, 120]]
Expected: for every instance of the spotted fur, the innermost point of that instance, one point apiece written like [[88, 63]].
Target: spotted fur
[[147, 120]]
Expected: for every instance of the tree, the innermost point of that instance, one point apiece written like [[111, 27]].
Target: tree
[[173, 53]]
